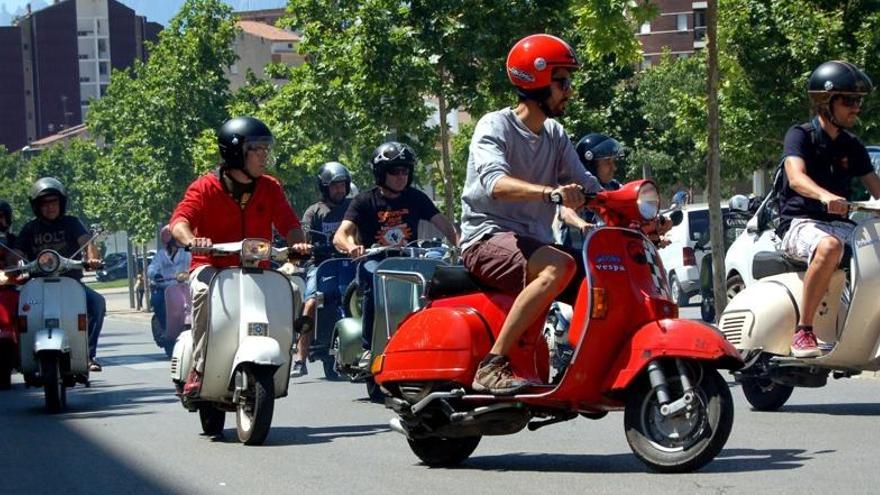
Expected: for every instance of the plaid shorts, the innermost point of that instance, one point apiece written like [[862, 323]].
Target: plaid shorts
[[804, 235]]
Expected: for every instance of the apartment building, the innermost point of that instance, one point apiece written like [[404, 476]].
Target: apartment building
[[680, 27]]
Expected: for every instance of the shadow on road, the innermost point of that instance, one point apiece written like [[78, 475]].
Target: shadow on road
[[851, 409], [728, 461], [304, 435]]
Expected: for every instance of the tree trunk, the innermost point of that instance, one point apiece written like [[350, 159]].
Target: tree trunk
[[716, 227], [446, 167]]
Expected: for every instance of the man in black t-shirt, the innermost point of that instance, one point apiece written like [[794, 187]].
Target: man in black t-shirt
[[54, 229], [821, 159], [388, 215], [320, 222]]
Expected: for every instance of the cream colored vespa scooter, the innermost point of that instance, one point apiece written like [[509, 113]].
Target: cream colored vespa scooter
[[760, 320], [250, 333]]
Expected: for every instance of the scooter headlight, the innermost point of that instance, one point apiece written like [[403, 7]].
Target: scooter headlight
[[648, 201], [48, 261], [255, 250]]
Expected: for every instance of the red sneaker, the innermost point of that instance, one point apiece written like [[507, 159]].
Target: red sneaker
[[193, 384], [804, 344]]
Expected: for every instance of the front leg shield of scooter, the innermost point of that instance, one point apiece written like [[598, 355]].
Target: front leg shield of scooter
[[264, 351]]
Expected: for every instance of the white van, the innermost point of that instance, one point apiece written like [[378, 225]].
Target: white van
[[680, 258]]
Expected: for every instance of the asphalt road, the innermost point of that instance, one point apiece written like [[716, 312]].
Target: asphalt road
[[128, 434]]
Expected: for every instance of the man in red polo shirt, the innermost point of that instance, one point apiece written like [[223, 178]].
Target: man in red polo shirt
[[235, 201]]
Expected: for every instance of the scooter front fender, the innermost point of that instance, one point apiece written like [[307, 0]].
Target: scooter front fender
[[260, 351], [350, 334], [671, 338], [54, 339]]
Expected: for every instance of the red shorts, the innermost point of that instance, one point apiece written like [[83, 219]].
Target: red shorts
[[500, 261]]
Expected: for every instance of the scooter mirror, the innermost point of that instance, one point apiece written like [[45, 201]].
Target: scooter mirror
[[676, 216]]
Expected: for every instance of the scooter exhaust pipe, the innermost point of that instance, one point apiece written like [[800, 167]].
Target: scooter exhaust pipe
[[397, 426]]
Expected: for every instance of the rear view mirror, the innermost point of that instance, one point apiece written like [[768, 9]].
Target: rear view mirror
[[676, 216]]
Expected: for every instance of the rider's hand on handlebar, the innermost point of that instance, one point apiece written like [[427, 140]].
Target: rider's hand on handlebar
[[301, 248], [356, 251], [93, 264], [836, 205], [572, 195], [201, 242]]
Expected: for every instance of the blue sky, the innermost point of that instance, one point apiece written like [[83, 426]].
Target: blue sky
[[156, 10]]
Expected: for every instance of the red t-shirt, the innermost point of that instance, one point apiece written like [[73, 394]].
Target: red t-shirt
[[211, 212]]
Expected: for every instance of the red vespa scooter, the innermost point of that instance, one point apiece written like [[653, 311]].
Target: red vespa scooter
[[631, 352], [9, 353]]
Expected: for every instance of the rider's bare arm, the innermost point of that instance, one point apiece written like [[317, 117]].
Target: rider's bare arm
[[511, 189], [796, 169], [93, 256], [572, 219], [184, 235], [345, 239], [872, 183], [441, 222]]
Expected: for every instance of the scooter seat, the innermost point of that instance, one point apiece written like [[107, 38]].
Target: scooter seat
[[768, 263], [451, 281]]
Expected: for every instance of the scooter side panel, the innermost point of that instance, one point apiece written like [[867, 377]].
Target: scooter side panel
[[860, 339], [671, 338], [419, 352], [60, 298]]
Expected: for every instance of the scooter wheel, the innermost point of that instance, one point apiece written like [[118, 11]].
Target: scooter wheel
[[53, 383], [444, 452], [682, 442], [212, 419], [254, 413], [374, 391], [765, 395]]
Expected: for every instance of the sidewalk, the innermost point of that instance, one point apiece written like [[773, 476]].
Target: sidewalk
[[118, 304]]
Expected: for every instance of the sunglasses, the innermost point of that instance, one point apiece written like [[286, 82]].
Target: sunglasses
[[851, 101], [397, 171], [259, 148], [564, 82]]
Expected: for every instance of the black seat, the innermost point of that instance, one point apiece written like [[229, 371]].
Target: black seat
[[451, 281], [767, 263]]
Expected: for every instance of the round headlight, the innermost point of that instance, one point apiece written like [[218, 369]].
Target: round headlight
[[648, 201], [48, 261]]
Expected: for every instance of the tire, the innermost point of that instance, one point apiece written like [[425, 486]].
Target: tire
[[676, 292], [705, 431], [444, 452], [253, 416], [212, 419], [329, 364], [53, 383], [351, 301], [707, 309], [158, 331], [374, 391], [734, 286], [6, 365], [765, 395]]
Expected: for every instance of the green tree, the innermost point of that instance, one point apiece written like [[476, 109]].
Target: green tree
[[155, 111]]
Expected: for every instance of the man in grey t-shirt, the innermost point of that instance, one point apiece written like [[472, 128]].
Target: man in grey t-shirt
[[518, 158]]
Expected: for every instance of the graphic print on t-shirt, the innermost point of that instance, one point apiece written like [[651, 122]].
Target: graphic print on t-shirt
[[393, 230]]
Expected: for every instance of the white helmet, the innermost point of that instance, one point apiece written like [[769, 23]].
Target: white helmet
[[739, 202]]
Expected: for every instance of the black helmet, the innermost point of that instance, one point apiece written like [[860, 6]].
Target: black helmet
[[389, 155], [593, 147], [234, 136], [836, 78], [6, 211], [329, 173], [47, 186]]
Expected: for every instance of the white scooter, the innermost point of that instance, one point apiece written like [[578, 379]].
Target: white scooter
[[250, 333], [760, 320], [53, 321]]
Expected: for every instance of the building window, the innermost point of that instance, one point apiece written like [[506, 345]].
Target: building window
[[646, 28], [681, 22], [699, 25]]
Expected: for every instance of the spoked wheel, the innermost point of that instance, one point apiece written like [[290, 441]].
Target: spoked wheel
[[212, 419], [689, 439], [764, 394], [254, 413], [53, 383], [441, 452], [374, 391]]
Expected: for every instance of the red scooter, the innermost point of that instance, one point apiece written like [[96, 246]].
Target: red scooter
[[9, 353], [631, 353]]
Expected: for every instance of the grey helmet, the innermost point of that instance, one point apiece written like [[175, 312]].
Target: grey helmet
[[47, 186], [329, 173]]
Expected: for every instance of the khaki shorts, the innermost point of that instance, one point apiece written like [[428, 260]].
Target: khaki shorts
[[500, 261], [804, 235]]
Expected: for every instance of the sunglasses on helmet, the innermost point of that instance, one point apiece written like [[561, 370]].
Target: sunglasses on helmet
[[390, 154]]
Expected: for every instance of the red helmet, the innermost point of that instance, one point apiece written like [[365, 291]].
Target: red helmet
[[532, 59]]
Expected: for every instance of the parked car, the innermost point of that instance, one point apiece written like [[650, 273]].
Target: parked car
[[116, 266], [680, 258], [760, 236]]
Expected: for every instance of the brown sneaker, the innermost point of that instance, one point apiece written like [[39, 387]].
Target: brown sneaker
[[496, 377]]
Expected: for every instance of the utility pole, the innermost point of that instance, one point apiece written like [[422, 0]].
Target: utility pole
[[716, 228]]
